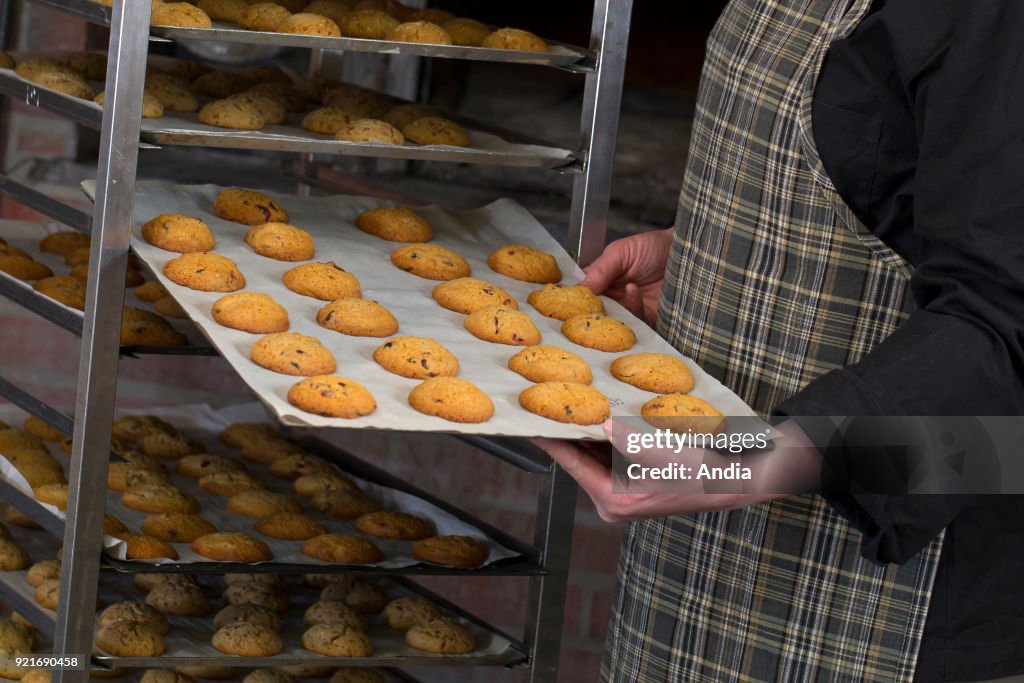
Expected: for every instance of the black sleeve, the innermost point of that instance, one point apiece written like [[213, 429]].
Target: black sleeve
[[962, 351]]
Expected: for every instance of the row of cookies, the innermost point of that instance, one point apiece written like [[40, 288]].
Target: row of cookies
[[367, 19]]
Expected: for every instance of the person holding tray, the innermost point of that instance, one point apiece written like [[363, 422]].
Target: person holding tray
[[848, 242]]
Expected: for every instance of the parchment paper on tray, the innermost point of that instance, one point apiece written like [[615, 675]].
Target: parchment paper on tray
[[204, 423], [474, 234]]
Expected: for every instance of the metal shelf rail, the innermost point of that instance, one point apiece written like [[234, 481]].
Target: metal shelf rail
[[110, 225]]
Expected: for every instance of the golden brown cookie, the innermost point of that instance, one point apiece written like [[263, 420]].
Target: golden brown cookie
[[408, 611], [146, 582], [232, 546], [208, 671], [273, 598], [165, 676], [280, 241], [179, 599], [16, 635], [172, 93], [430, 261], [655, 372], [69, 83], [75, 258], [220, 84], [272, 111], [134, 611], [466, 32], [151, 106], [524, 263], [69, 291], [232, 113], [452, 399], [159, 498], [550, 364], [332, 396], [150, 291], [404, 114], [308, 485], [395, 525], [502, 325], [356, 101], [47, 593], [198, 464], [142, 328], [223, 10], [370, 130], [453, 551], [247, 612], [683, 413], [566, 402], [91, 65], [285, 94], [343, 504], [597, 331], [168, 446], [326, 120], [132, 428], [326, 281], [333, 612], [180, 14], [392, 7], [442, 636], [238, 434], [142, 547], [176, 527], [24, 268], [289, 526], [562, 302], [368, 23], [248, 207], [514, 39], [357, 318], [419, 31], [130, 638], [206, 272], [465, 295], [294, 465], [267, 451], [362, 596], [122, 476], [52, 494], [64, 242], [250, 312], [291, 353], [416, 358], [335, 10], [263, 16], [247, 640], [112, 526], [42, 571], [436, 130], [266, 579], [169, 307], [229, 483], [13, 557], [337, 640], [309, 24], [397, 224], [261, 503], [342, 549]]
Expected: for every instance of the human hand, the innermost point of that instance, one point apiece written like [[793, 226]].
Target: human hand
[[631, 271]]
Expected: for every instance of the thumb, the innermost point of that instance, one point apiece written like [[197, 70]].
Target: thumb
[[605, 270]]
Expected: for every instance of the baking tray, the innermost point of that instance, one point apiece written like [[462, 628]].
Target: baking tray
[[474, 234]]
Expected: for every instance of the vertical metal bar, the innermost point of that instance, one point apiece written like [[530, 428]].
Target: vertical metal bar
[[556, 511], [6, 20], [308, 159], [97, 376], [602, 101]]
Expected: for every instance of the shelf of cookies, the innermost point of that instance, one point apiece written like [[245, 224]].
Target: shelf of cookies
[[370, 29]]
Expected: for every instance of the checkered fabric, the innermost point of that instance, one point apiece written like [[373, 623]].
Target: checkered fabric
[[771, 283]]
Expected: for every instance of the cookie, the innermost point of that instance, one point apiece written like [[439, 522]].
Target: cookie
[[683, 413], [208, 671], [332, 396], [151, 107], [296, 465], [112, 526], [550, 364], [333, 612], [261, 503], [206, 272], [291, 353], [655, 372], [308, 24], [395, 525], [326, 120], [223, 10], [175, 232], [465, 295], [247, 640], [17, 636], [75, 258], [23, 267], [248, 613], [441, 636], [91, 65], [452, 399], [566, 402], [272, 111], [393, 8], [416, 358], [356, 101], [229, 483], [159, 498], [597, 331], [147, 582], [69, 291], [343, 504], [419, 32], [430, 261], [248, 207], [453, 551], [68, 83], [164, 676], [168, 446], [370, 130], [357, 674], [129, 639], [337, 640], [270, 598], [52, 494], [238, 434], [18, 518], [525, 263], [436, 130], [514, 39], [263, 16], [169, 307], [502, 325], [232, 546], [64, 242], [198, 464], [326, 281], [134, 611], [269, 450], [308, 485], [220, 84], [306, 670], [47, 594], [172, 93], [280, 241], [357, 318], [288, 526], [180, 14], [142, 547], [466, 32], [143, 328], [132, 277], [42, 571], [176, 527], [122, 476], [408, 611], [232, 113], [367, 23], [150, 291], [267, 579], [335, 10], [40, 473], [285, 94], [132, 428], [13, 557], [250, 312], [395, 224], [562, 302], [6, 61], [404, 114], [342, 549]]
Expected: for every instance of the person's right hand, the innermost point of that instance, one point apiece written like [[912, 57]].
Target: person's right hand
[[631, 271]]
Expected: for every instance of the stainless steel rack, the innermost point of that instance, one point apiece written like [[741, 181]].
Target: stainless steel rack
[[545, 562]]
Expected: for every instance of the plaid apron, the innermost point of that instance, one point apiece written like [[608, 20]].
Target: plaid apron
[[771, 282]]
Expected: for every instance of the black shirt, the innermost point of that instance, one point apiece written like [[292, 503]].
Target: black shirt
[[919, 121]]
